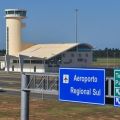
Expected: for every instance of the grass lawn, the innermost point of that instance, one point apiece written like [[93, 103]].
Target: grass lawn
[[110, 62], [55, 110]]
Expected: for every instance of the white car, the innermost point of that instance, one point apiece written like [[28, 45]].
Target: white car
[[1, 89]]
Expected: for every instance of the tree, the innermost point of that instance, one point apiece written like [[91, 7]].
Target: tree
[[2, 52]]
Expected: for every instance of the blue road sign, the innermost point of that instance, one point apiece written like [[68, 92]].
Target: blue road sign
[[82, 85], [117, 101]]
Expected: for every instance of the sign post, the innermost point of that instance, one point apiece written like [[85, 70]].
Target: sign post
[[82, 85], [117, 88]]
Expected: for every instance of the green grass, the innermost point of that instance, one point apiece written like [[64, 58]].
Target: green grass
[[108, 59], [56, 110], [107, 62], [74, 111], [9, 107]]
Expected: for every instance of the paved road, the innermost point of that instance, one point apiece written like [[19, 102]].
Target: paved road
[[10, 82], [32, 95]]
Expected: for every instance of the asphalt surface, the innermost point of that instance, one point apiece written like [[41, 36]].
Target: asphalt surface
[[32, 95], [11, 84]]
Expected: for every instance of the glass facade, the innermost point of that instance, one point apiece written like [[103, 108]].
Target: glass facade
[[21, 13], [16, 12]]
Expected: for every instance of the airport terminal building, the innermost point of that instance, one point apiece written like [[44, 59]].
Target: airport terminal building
[[40, 58], [49, 57]]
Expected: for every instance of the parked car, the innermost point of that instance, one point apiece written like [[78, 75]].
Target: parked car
[[1, 89]]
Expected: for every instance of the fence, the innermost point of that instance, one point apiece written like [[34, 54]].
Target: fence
[[47, 83]]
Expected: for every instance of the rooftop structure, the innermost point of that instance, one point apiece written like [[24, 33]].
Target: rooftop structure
[[16, 13], [47, 50], [14, 25]]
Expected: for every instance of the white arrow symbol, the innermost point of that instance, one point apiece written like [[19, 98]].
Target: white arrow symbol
[[118, 91], [117, 100]]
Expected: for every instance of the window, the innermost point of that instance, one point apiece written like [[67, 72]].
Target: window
[[15, 61], [85, 60], [10, 12], [26, 61], [80, 60], [36, 61], [72, 50], [34, 68], [80, 55], [68, 62], [72, 55], [86, 54], [21, 13], [63, 55], [59, 61]]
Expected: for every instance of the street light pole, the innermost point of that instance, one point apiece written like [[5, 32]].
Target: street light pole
[[114, 60], [76, 11], [107, 58]]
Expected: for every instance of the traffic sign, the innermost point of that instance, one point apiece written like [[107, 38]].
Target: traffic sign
[[117, 88], [117, 101], [117, 83], [82, 85], [117, 92]]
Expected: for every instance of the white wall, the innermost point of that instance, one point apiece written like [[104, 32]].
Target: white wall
[[27, 68], [2, 64]]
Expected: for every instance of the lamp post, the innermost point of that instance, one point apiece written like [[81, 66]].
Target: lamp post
[[30, 63], [44, 59], [107, 58], [114, 59], [76, 11]]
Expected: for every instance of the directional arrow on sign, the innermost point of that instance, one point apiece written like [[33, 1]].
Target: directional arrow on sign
[[117, 100], [118, 91]]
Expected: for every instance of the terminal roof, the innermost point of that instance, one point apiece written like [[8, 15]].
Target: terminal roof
[[47, 51]]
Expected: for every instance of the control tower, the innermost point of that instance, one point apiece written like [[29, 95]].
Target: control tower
[[13, 30]]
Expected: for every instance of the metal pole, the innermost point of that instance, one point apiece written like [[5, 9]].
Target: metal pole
[[24, 98], [114, 59], [107, 57], [42, 89], [30, 66], [76, 10], [109, 86], [47, 82], [21, 62], [7, 62]]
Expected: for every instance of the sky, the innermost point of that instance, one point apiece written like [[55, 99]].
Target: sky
[[53, 21]]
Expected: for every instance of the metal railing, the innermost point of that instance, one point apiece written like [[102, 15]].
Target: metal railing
[[43, 83], [47, 83]]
